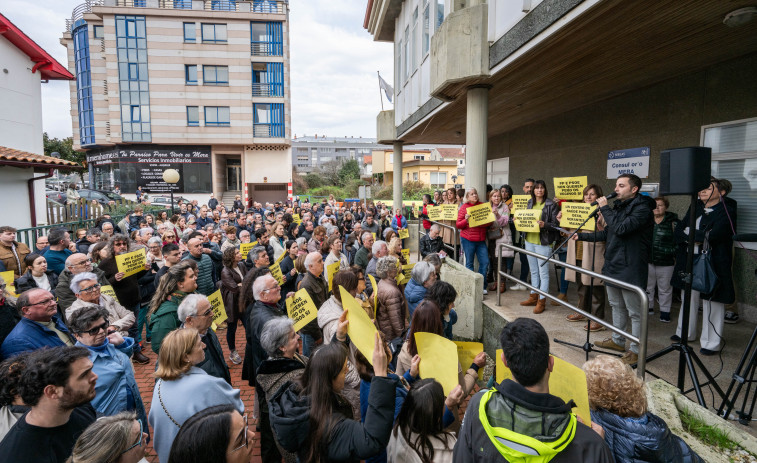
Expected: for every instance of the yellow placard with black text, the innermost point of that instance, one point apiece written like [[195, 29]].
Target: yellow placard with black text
[[301, 309], [574, 214], [403, 233], [570, 187], [131, 262], [434, 213], [527, 220], [276, 273], [449, 211], [520, 202], [216, 305], [245, 248], [331, 270], [374, 285], [108, 289], [406, 254], [480, 215]]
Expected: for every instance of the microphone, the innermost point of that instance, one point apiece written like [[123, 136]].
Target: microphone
[[609, 197]]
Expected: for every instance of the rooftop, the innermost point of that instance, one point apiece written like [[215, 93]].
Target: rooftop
[[9, 156], [48, 67]]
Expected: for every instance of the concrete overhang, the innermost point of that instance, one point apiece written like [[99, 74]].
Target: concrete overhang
[[380, 17], [609, 48]]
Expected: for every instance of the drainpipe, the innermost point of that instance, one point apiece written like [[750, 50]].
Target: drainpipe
[[32, 206]]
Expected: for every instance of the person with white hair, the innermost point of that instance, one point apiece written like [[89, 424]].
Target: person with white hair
[[380, 249], [422, 277], [75, 264], [432, 242], [363, 255], [87, 290], [318, 290], [195, 312]]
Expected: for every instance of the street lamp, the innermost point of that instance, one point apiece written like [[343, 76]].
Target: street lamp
[[171, 176]]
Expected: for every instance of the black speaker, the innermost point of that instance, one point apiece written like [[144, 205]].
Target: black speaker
[[685, 171]]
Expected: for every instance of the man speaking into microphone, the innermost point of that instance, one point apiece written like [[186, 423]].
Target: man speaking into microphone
[[628, 233]]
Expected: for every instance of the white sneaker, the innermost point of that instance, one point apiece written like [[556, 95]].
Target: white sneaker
[[235, 358], [518, 287], [485, 291]]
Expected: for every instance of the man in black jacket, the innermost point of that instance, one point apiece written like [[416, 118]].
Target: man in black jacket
[[431, 243], [318, 290], [628, 233], [195, 312]]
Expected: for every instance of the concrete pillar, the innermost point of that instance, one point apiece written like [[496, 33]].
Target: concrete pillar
[[476, 129], [397, 174]]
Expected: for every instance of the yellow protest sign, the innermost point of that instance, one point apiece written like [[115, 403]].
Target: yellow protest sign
[[108, 289], [566, 381], [216, 305], [7, 277], [449, 211], [131, 262], [374, 237], [406, 254], [574, 214], [570, 187], [434, 213], [403, 233], [276, 273], [331, 270], [301, 309], [296, 218], [438, 359], [361, 329], [245, 248], [480, 215], [466, 352], [375, 293], [527, 220], [520, 202], [11, 290], [407, 271]]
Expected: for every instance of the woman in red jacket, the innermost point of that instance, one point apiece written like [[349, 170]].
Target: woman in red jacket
[[473, 238]]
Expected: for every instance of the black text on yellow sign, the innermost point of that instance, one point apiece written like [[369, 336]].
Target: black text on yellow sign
[[570, 187], [574, 214]]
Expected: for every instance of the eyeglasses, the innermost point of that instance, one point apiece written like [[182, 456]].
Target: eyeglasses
[[244, 431], [87, 261], [273, 288], [139, 441], [206, 313], [96, 329], [45, 302], [90, 289]]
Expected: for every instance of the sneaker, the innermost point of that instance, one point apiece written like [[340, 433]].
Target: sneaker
[[518, 287], [629, 358], [708, 352], [485, 292], [610, 344], [148, 339], [235, 358], [651, 311], [665, 317], [731, 317]]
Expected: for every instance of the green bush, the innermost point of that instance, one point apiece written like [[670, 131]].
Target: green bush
[[325, 191], [411, 191], [313, 181]]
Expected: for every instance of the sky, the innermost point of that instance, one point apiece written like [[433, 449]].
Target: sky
[[333, 76]]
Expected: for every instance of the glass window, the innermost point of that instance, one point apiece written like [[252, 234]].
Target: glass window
[[97, 31], [135, 113], [215, 75], [439, 13], [193, 115], [131, 28], [190, 32], [133, 71], [258, 32], [406, 55], [425, 31], [415, 176], [217, 116], [190, 74], [214, 33], [414, 47]]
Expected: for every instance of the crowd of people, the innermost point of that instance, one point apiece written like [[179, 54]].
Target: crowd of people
[[74, 324]]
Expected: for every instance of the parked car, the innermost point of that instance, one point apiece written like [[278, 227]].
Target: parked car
[[57, 197], [103, 197], [160, 200]]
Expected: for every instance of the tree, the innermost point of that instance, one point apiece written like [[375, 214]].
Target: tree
[[313, 180], [350, 171], [330, 172], [65, 148]]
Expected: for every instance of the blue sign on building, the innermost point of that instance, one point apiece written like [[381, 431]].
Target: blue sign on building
[[628, 161]]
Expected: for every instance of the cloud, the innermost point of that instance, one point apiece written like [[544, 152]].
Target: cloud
[[334, 88]]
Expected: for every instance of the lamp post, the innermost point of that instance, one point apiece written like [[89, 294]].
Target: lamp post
[[171, 176]]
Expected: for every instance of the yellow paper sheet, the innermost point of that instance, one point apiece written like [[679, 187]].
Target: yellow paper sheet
[[245, 248], [574, 214], [361, 329], [276, 273], [566, 381], [434, 213], [403, 233], [131, 262], [7, 277], [374, 237], [570, 187], [375, 293], [520, 202], [480, 215], [108, 289], [466, 352], [301, 309], [527, 220], [438, 359], [331, 270], [406, 254], [296, 218], [449, 211], [216, 304]]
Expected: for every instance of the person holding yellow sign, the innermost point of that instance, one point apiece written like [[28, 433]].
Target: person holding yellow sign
[[473, 239], [499, 233], [540, 243]]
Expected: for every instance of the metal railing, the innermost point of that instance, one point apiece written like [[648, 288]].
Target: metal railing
[[266, 49], [643, 300], [266, 89], [455, 248]]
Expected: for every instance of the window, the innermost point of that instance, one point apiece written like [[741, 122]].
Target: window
[[266, 39], [133, 82], [398, 67], [406, 54], [224, 5], [190, 32], [419, 157], [215, 75], [438, 179], [216, 116], [190, 74], [439, 13], [135, 113], [182, 5], [414, 47], [268, 120], [498, 171], [415, 176], [193, 115], [425, 31], [97, 31], [83, 85], [213, 33]]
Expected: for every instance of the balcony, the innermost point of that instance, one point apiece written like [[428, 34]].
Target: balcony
[[266, 89], [266, 49]]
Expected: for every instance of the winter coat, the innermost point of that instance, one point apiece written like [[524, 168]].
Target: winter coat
[[414, 293], [424, 216], [342, 259], [127, 290], [259, 313], [400, 451], [318, 290], [63, 292], [501, 225], [118, 316], [470, 233], [28, 335], [349, 440], [206, 281], [230, 285], [429, 246], [628, 239], [644, 439], [290, 281], [721, 254], [8, 258], [663, 241], [279, 247], [328, 321], [27, 282], [549, 233], [391, 312], [165, 319], [397, 225], [362, 257]]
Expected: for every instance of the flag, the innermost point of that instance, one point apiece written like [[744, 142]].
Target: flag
[[388, 90]]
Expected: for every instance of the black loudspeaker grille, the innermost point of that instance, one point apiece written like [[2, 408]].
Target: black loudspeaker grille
[[685, 171]]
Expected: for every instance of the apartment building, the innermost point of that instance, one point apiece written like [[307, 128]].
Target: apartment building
[[309, 152], [200, 86]]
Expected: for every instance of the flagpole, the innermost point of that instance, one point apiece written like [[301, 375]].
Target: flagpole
[[380, 97]]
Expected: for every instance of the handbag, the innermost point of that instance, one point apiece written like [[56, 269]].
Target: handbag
[[704, 278]]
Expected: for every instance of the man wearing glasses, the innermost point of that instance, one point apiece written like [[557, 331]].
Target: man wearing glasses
[[39, 327], [116, 389], [88, 294], [195, 312], [75, 264]]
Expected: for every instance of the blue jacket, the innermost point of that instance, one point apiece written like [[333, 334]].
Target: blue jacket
[[644, 439], [396, 226], [414, 293], [29, 335]]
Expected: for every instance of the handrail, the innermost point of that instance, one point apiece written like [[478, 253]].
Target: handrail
[[644, 300], [455, 232]]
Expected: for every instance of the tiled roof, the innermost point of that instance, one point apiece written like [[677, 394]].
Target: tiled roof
[[9, 154], [451, 153]]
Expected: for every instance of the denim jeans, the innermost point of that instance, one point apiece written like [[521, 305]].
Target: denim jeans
[[476, 249], [133, 331], [308, 344], [625, 304], [563, 256], [539, 273], [142, 322]]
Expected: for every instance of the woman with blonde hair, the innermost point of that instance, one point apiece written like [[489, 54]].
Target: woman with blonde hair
[[618, 402], [113, 439], [182, 389], [334, 244]]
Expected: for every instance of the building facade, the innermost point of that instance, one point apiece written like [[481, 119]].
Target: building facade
[[200, 86], [418, 165], [309, 152], [552, 88]]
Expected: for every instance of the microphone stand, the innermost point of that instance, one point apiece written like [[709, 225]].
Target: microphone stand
[[587, 346]]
